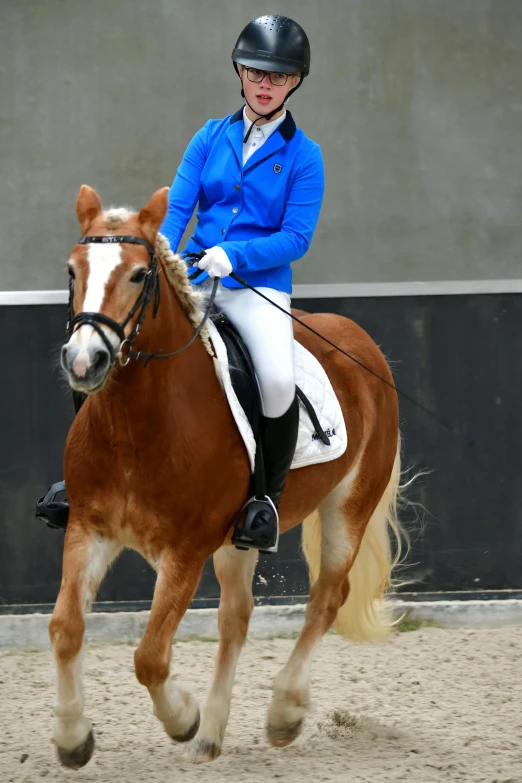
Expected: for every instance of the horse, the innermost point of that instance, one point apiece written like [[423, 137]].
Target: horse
[[154, 462]]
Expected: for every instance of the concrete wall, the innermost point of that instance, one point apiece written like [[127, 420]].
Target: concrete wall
[[416, 104]]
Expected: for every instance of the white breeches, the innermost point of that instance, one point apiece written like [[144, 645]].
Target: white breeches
[[269, 337]]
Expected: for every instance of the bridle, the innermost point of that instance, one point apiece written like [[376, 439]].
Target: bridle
[[150, 290]]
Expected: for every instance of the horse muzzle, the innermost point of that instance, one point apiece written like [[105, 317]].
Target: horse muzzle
[[86, 366]]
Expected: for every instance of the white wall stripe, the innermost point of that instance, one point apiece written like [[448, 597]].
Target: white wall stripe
[[33, 297], [325, 290], [429, 288]]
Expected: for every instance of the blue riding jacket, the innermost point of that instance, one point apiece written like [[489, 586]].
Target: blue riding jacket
[[264, 214]]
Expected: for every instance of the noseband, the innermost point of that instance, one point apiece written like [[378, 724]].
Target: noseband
[[150, 290]]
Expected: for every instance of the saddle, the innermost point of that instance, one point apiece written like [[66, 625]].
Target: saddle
[[246, 387]]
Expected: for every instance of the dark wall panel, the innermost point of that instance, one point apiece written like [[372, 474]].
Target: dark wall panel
[[457, 354]]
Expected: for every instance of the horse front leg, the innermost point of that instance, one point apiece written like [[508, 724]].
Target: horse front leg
[[234, 571], [85, 561], [175, 707]]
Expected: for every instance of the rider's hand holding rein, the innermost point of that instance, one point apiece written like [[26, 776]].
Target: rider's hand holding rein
[[216, 262]]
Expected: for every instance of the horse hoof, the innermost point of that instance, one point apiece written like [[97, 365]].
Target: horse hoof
[[203, 751], [78, 757], [190, 734], [283, 736]]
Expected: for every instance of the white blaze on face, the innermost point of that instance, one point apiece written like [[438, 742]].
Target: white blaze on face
[[102, 260]]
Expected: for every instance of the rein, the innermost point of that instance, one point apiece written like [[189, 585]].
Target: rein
[[151, 288], [199, 256]]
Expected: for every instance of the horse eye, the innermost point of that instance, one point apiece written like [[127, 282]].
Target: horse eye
[[139, 276]]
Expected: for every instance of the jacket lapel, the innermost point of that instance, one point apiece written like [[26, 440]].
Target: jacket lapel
[[235, 136], [274, 143]]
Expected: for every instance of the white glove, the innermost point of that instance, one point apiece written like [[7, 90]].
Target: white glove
[[216, 262]]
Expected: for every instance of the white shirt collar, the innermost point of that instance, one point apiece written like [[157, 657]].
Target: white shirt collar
[[266, 129]]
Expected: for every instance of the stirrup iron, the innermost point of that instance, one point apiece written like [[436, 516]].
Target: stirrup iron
[[264, 536]]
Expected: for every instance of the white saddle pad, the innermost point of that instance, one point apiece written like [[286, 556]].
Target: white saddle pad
[[314, 382]]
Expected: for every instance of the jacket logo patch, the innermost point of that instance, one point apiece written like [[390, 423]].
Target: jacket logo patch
[[278, 168]]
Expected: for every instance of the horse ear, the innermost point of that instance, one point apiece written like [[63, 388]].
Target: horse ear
[[152, 215], [88, 207]]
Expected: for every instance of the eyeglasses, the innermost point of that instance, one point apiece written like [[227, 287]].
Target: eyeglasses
[[257, 76]]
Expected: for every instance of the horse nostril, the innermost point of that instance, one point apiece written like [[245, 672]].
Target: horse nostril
[[64, 356], [100, 361]]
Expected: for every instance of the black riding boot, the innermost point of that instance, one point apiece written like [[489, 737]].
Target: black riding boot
[[261, 521], [53, 508]]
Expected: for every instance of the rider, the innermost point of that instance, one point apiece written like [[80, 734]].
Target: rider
[[259, 183]]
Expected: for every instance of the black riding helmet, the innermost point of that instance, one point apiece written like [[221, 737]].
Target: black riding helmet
[[273, 43]]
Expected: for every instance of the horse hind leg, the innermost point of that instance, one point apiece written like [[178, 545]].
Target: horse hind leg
[[234, 570], [291, 690], [348, 535], [85, 561], [364, 614]]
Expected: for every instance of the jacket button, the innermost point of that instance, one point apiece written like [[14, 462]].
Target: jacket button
[[235, 210], [238, 187], [222, 231]]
